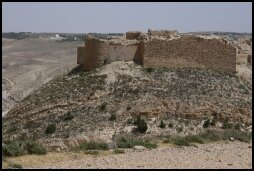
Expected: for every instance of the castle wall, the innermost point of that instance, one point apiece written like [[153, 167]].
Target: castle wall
[[98, 52], [190, 51], [132, 35], [81, 51], [93, 53], [163, 33], [121, 52]]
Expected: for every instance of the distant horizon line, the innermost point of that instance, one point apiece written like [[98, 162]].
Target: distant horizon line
[[123, 32]]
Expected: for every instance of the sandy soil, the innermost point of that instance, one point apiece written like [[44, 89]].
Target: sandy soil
[[213, 155]]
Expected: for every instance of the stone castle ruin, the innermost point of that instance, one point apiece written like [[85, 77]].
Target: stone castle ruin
[[159, 48]]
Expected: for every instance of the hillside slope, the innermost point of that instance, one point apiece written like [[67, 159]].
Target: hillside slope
[[81, 104]]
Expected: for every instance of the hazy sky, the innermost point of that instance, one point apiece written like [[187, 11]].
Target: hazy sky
[[77, 17]]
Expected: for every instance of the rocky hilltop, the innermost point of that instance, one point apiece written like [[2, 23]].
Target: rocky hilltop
[[104, 102]]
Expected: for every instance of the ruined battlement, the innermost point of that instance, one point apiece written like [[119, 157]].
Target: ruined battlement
[[159, 48]]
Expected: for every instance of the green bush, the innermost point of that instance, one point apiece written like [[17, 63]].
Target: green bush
[[93, 145], [162, 125], [149, 69], [130, 142], [29, 124], [68, 117], [227, 125], [195, 139], [13, 128], [166, 141], [15, 166], [21, 147], [103, 106], [210, 136], [105, 61], [181, 141], [112, 117], [141, 125], [179, 129], [118, 151], [238, 135], [206, 123], [14, 148], [237, 126], [35, 148], [129, 121], [50, 129], [170, 125], [214, 121]]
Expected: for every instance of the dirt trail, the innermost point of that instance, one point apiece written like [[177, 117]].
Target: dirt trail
[[213, 155]]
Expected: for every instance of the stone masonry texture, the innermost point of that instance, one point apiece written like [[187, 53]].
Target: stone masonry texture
[[190, 51], [186, 51]]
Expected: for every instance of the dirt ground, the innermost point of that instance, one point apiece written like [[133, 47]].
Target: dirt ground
[[29, 63], [218, 155]]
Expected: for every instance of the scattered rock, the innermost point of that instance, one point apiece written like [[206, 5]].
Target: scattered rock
[[139, 148], [231, 139], [58, 149], [207, 150]]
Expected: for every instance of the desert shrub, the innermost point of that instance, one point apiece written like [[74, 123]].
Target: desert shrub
[[141, 125], [214, 121], [162, 125], [130, 142], [14, 148], [186, 140], [237, 126], [238, 135], [129, 121], [93, 145], [105, 61], [149, 69], [195, 139], [92, 152], [112, 117], [211, 135], [29, 124], [170, 125], [227, 125], [15, 166], [103, 106], [128, 108], [21, 147], [118, 151], [179, 129], [33, 147], [13, 128], [68, 117], [181, 141], [206, 123], [166, 141], [50, 129]]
